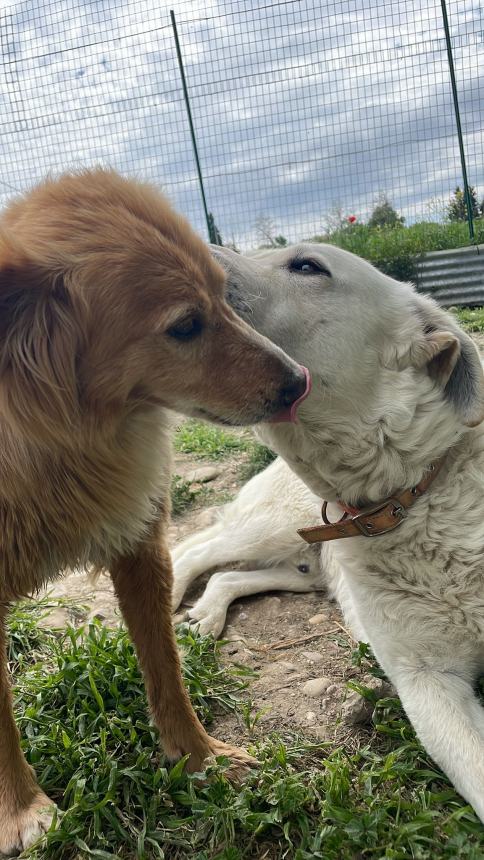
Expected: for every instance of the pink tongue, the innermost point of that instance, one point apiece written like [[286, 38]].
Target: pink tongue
[[290, 414]]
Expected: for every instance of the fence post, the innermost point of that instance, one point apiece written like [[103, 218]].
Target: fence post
[[192, 130], [467, 193]]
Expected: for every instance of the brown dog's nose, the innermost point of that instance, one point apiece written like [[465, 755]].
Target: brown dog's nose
[[291, 395], [295, 389]]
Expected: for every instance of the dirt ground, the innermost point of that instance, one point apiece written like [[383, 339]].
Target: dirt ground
[[296, 644]]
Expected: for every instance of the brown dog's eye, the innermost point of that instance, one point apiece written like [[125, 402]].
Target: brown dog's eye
[[186, 329]]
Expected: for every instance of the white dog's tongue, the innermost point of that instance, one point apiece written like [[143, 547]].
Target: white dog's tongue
[[290, 414]]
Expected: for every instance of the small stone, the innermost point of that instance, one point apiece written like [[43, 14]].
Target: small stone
[[316, 687], [284, 666], [243, 616], [319, 618], [310, 717], [313, 656], [380, 687], [203, 475], [356, 710]]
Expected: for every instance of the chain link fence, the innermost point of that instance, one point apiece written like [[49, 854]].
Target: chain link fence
[[303, 112]]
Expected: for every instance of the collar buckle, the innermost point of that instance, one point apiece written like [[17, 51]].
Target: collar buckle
[[367, 521]]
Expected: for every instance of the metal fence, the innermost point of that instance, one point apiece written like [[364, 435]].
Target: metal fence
[[454, 277], [304, 112]]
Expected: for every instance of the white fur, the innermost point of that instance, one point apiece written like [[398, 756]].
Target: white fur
[[259, 529], [395, 386]]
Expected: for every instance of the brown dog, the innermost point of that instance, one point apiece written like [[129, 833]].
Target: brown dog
[[111, 312]]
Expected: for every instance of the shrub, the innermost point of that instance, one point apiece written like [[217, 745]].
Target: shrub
[[396, 251]]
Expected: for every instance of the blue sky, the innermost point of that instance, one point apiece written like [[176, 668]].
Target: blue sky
[[300, 107]]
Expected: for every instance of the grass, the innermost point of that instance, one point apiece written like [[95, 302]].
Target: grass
[[471, 319], [208, 442], [81, 707]]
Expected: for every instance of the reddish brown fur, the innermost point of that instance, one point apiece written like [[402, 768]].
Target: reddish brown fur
[[94, 269]]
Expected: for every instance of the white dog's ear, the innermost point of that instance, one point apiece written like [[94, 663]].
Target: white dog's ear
[[439, 352], [451, 359]]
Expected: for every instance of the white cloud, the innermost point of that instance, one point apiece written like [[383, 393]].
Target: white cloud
[[295, 109]]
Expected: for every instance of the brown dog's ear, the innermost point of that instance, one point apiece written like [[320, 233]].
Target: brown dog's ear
[[39, 344]]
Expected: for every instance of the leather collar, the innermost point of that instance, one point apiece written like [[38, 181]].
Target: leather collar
[[374, 520]]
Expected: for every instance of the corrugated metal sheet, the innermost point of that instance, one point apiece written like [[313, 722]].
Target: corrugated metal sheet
[[453, 277]]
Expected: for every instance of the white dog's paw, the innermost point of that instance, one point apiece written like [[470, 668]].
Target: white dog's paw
[[208, 620]]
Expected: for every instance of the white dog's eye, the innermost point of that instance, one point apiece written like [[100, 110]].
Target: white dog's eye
[[309, 267]]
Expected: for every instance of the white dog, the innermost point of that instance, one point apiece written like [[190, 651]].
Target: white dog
[[397, 390]]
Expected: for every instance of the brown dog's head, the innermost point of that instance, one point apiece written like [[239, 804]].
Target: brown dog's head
[[109, 301]]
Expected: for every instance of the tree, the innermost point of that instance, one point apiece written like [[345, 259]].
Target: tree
[[457, 208], [334, 219], [384, 215], [265, 228], [213, 232]]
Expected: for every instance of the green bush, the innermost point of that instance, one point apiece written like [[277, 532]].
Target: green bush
[[397, 250]]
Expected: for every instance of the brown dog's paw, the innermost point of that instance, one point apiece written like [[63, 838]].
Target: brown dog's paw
[[240, 760], [22, 828]]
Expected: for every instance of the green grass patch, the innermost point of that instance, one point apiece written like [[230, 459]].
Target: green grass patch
[[82, 711], [397, 250], [207, 442], [471, 319]]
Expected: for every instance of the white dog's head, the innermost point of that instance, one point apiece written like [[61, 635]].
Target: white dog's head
[[384, 359]]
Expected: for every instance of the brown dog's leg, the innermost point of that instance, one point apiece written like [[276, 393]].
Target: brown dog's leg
[[143, 585], [25, 811]]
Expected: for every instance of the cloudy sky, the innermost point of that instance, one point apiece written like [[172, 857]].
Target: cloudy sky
[[300, 107]]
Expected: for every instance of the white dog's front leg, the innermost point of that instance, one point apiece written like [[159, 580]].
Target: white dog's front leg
[[211, 610], [449, 722], [435, 683]]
